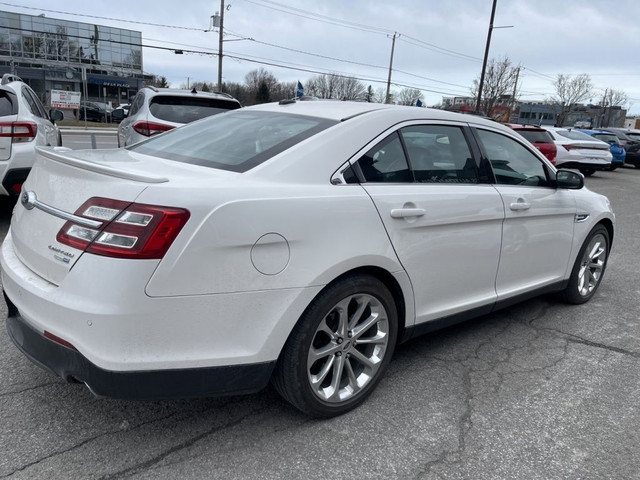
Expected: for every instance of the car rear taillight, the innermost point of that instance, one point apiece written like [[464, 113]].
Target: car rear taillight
[[151, 128], [123, 229], [19, 131]]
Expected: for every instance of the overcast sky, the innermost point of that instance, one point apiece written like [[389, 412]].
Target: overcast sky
[[439, 49]]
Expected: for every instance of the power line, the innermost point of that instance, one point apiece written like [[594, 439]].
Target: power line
[[100, 18], [319, 18]]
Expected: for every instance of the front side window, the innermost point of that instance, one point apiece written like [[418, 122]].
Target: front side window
[[237, 141], [512, 162]]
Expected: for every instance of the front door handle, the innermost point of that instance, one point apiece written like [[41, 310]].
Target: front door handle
[[520, 205], [407, 212]]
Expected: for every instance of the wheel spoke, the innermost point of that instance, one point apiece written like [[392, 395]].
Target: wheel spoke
[[353, 381], [336, 377], [343, 317], [323, 327], [316, 380], [366, 325], [363, 359], [379, 339], [316, 354], [355, 318]]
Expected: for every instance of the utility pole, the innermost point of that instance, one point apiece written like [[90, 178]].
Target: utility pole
[[486, 55], [513, 97], [393, 45], [220, 40]]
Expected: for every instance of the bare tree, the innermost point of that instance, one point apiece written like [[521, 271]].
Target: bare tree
[[409, 96], [499, 85], [336, 86], [612, 98], [381, 95], [350, 88], [569, 92], [259, 79]]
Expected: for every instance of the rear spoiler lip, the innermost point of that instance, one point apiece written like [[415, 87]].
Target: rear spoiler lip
[[58, 154]]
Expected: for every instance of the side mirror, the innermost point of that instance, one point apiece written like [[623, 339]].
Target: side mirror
[[56, 115], [569, 180], [117, 115]]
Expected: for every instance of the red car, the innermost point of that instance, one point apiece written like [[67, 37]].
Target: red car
[[539, 137]]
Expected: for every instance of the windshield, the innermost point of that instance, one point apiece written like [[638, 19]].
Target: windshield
[[236, 141]]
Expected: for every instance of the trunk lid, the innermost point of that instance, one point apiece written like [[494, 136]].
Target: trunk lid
[[60, 182]]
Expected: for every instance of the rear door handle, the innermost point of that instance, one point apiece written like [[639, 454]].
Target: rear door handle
[[407, 212]]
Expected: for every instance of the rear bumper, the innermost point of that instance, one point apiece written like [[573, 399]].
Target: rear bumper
[[581, 165], [156, 384]]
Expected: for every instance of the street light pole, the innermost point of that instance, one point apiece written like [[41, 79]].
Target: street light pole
[[486, 55], [220, 41]]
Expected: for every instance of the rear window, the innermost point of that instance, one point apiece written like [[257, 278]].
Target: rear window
[[235, 141], [572, 135], [181, 109], [606, 137], [536, 136], [8, 103]]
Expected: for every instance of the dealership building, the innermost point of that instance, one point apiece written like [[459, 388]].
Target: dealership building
[[51, 54]]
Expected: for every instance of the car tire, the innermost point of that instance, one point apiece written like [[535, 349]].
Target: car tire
[[339, 349], [588, 268], [587, 172], [613, 167]]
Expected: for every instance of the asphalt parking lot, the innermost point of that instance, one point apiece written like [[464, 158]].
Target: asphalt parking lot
[[541, 390]]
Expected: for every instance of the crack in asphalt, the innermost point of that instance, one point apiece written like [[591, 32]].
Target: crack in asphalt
[[85, 442], [571, 338], [176, 448], [28, 389]]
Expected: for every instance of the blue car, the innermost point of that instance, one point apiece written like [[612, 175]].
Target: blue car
[[617, 150]]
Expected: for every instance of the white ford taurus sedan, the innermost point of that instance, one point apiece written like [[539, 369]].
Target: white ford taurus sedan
[[295, 243]]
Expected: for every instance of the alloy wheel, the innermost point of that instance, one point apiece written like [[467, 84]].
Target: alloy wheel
[[348, 348]]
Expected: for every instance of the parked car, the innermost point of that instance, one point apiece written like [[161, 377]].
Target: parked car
[[156, 110], [631, 145], [633, 133], [296, 242], [24, 125], [539, 137], [95, 111], [120, 112], [580, 151], [616, 149]]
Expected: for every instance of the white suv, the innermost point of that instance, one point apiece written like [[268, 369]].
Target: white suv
[[156, 110], [24, 125]]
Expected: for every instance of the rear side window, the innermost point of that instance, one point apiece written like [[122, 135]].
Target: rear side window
[[536, 136], [8, 103], [236, 141], [181, 109]]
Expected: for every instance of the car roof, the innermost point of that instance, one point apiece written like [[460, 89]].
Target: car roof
[[339, 110], [190, 93]]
